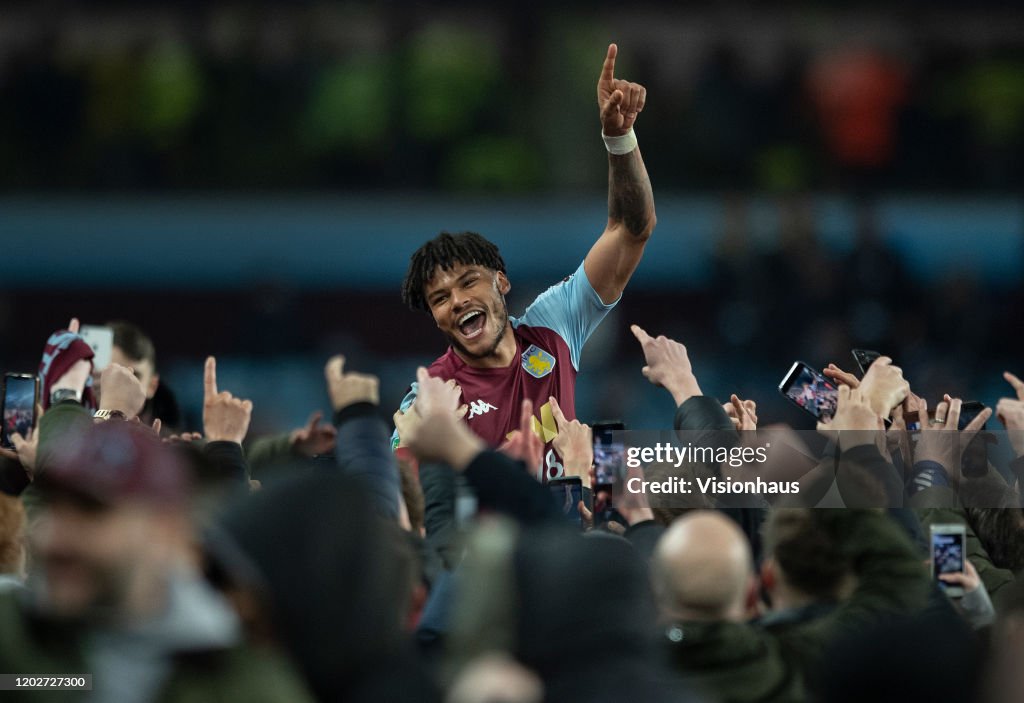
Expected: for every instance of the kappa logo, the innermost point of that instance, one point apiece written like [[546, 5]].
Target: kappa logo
[[480, 407], [537, 362]]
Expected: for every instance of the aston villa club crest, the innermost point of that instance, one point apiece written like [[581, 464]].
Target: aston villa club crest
[[537, 362]]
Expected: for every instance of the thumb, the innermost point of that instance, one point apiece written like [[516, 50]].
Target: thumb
[[335, 366], [18, 441], [611, 108]]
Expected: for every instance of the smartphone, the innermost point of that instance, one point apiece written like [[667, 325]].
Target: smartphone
[[809, 390], [949, 547], [968, 411], [864, 358], [101, 339], [609, 456], [609, 467], [21, 393], [567, 493]]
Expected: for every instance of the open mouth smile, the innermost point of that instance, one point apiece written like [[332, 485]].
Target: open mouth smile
[[471, 324]]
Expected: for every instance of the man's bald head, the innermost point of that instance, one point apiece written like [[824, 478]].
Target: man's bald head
[[702, 568]]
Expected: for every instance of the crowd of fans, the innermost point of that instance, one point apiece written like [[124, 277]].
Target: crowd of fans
[[172, 564], [314, 96], [473, 555]]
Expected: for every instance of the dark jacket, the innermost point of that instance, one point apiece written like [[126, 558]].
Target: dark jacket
[[503, 485], [31, 644], [939, 505], [705, 417], [336, 577], [363, 451], [777, 660]]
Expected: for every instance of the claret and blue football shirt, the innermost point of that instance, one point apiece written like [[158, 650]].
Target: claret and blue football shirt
[[549, 338]]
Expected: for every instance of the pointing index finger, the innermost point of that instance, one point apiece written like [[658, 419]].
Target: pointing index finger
[[608, 70], [210, 377], [526, 417], [640, 334], [556, 412], [1018, 385]]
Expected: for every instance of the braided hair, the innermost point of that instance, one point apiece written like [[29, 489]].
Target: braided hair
[[443, 252]]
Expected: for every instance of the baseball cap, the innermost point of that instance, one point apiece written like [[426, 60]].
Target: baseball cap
[[113, 462]]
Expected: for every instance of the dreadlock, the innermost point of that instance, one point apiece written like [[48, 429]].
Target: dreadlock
[[443, 252]]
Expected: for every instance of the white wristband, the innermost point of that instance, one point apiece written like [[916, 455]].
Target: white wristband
[[620, 145]]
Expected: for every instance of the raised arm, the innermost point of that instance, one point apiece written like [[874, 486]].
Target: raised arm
[[631, 218]]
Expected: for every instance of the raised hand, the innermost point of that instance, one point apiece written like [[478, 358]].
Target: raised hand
[[884, 386], [434, 396], [940, 439], [668, 365], [743, 413], [348, 388], [26, 448], [840, 376], [434, 430], [574, 443], [121, 390], [407, 422], [225, 417], [523, 444], [1010, 412], [855, 421], [314, 439], [619, 101]]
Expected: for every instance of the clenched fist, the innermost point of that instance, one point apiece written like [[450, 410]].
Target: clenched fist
[[120, 390]]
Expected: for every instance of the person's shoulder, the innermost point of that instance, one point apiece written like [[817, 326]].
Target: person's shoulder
[[246, 672], [446, 365], [543, 340]]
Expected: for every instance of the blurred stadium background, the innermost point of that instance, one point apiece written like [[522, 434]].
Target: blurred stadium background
[[249, 180]]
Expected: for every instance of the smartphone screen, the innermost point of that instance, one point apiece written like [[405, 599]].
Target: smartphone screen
[[609, 467], [948, 547], [810, 390], [19, 414], [101, 340], [568, 492], [609, 455]]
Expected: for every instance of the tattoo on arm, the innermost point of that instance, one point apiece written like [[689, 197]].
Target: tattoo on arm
[[630, 198]]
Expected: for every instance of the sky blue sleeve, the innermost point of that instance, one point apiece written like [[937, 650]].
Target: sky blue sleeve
[[406, 402], [572, 308]]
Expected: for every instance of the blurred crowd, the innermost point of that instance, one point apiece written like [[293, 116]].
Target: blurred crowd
[[174, 562], [313, 96], [853, 533]]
